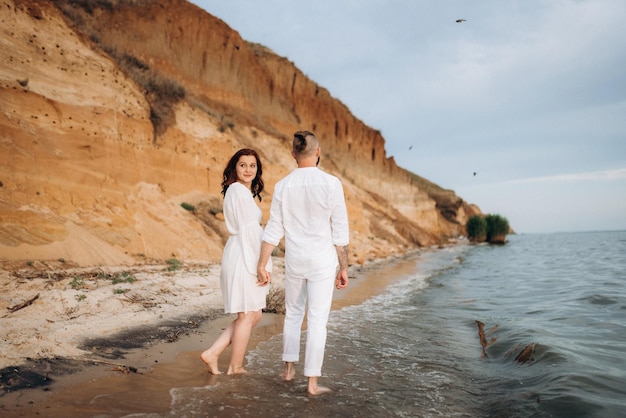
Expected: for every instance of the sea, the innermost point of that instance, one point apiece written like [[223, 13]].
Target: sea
[[553, 313]]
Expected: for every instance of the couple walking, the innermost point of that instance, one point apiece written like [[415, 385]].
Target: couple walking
[[308, 209]]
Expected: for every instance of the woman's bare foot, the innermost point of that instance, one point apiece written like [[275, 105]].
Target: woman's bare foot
[[236, 370], [290, 372], [211, 361]]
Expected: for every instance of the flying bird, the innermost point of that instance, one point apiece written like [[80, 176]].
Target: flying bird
[[411, 147], [474, 173], [461, 20]]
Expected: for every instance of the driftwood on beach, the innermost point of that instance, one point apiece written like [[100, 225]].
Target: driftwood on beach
[[24, 304], [524, 356], [482, 334], [118, 367]]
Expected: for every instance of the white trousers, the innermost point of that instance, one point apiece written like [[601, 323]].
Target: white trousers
[[319, 294]]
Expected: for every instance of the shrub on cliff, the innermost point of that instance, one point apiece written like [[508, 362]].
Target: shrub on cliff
[[497, 228], [161, 92], [492, 228], [476, 229]]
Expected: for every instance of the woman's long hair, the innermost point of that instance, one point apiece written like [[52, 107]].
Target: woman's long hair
[[230, 173]]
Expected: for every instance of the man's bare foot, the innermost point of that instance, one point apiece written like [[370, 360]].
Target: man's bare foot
[[290, 372], [237, 370], [318, 390], [315, 390], [211, 361]]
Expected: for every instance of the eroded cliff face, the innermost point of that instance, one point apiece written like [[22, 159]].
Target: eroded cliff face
[[112, 114]]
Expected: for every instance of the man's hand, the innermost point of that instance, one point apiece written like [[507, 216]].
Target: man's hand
[[341, 281]]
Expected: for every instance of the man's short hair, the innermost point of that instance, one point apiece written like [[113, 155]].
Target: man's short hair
[[304, 143]]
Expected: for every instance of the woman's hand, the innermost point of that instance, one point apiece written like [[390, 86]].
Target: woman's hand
[[263, 277]]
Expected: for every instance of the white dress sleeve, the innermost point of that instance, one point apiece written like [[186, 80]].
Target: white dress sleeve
[[245, 218]]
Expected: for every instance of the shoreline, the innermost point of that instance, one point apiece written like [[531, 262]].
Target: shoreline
[[146, 348]]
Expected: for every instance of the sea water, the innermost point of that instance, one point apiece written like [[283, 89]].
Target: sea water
[[415, 351]]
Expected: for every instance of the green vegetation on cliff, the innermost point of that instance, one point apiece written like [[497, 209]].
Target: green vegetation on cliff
[[492, 228]]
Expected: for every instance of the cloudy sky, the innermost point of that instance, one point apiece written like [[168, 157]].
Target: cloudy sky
[[530, 95]]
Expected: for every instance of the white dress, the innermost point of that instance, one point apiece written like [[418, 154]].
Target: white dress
[[241, 254]]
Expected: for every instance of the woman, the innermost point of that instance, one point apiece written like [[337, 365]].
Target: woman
[[242, 293]]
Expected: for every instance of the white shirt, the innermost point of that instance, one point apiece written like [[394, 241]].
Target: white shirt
[[309, 210]]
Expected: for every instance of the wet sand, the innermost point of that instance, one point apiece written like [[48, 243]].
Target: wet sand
[[107, 390]]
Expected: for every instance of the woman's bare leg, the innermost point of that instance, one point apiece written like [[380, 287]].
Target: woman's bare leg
[[211, 356], [241, 335], [290, 371]]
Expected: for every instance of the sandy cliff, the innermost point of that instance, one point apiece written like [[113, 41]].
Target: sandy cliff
[[114, 113]]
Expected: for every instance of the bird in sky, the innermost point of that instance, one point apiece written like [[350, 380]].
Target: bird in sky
[[461, 20], [411, 147]]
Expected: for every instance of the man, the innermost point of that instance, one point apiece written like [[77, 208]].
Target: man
[[309, 210]]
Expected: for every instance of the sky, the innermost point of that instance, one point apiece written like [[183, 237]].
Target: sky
[[520, 108]]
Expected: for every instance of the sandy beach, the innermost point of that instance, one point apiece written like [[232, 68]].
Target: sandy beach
[[74, 339]]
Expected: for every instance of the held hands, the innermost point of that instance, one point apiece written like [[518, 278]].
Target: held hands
[[341, 281], [263, 277]]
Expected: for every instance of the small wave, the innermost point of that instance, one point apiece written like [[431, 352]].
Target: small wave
[[600, 300]]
